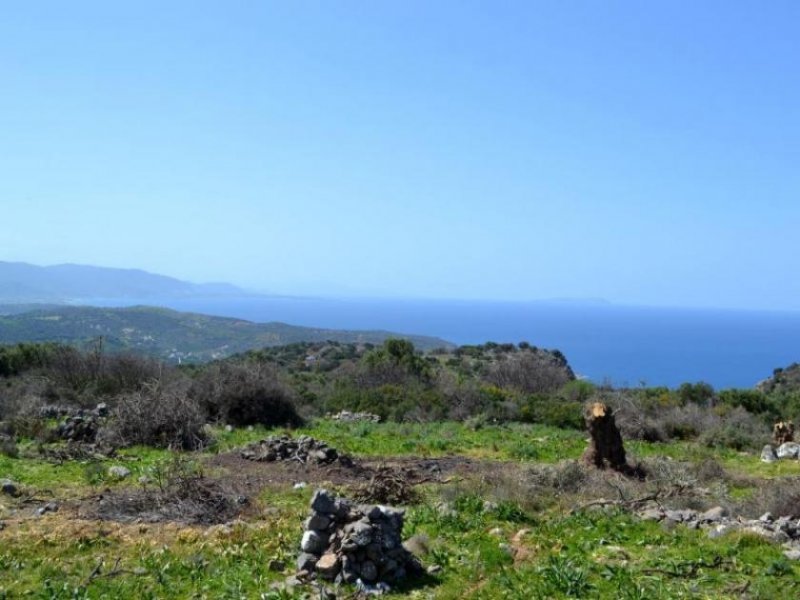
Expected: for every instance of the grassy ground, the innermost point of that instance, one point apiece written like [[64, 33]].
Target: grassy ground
[[509, 549]]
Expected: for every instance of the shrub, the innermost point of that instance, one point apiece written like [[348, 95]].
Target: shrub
[[737, 429], [159, 415], [553, 411], [243, 394], [531, 371]]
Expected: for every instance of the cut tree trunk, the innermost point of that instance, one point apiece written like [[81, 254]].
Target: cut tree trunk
[[783, 431], [605, 446]]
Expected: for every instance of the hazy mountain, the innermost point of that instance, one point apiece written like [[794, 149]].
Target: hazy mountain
[[174, 335], [26, 283]]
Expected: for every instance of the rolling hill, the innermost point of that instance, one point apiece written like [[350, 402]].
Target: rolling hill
[[25, 283], [173, 335]]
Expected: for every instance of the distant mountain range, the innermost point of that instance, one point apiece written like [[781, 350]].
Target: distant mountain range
[[22, 283], [173, 335]]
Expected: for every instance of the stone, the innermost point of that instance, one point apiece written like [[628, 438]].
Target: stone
[[713, 514], [766, 518], [9, 487], [277, 566], [306, 562], [317, 521], [788, 450], [49, 507], [497, 532], [768, 454], [434, 569], [369, 571], [652, 514], [793, 554], [119, 472], [323, 502], [314, 542], [328, 566], [775, 536], [361, 533]]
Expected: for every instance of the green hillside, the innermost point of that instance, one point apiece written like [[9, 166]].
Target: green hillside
[[174, 335]]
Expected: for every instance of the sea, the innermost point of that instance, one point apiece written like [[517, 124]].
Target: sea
[[622, 345]]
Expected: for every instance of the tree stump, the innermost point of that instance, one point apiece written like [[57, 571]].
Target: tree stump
[[605, 447], [782, 432]]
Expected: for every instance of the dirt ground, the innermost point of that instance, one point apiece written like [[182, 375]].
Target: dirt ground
[[255, 476]]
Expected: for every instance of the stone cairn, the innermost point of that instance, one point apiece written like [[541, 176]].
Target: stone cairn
[[303, 449], [79, 425], [345, 542], [350, 417]]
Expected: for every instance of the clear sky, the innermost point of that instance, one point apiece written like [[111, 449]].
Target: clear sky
[[642, 152]]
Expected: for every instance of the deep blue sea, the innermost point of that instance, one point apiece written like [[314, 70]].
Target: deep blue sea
[[626, 345]]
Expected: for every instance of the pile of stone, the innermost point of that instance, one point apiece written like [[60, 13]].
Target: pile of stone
[[78, 428], [304, 449], [786, 450], [345, 542], [717, 522], [80, 425], [56, 411], [350, 417]]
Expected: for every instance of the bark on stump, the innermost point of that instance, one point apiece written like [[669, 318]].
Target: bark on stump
[[782, 432], [605, 446]]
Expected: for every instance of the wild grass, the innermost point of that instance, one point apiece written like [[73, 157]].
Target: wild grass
[[530, 540]]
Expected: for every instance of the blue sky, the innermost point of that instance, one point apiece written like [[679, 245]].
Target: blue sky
[[642, 152]]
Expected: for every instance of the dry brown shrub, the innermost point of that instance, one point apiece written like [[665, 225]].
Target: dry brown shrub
[[159, 415]]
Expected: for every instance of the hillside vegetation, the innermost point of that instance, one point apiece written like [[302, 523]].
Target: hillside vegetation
[[172, 335], [126, 476]]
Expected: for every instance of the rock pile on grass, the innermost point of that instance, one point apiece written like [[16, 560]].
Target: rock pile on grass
[[716, 522], [351, 417], [80, 425], [304, 449], [346, 542]]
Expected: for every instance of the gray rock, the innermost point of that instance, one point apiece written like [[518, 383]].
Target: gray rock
[[768, 454], [766, 518], [434, 569], [361, 533], [306, 562], [49, 507], [652, 514], [680, 516], [9, 487], [318, 522], [713, 514], [323, 502], [788, 450], [775, 536], [119, 472], [369, 571], [314, 542], [792, 554]]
